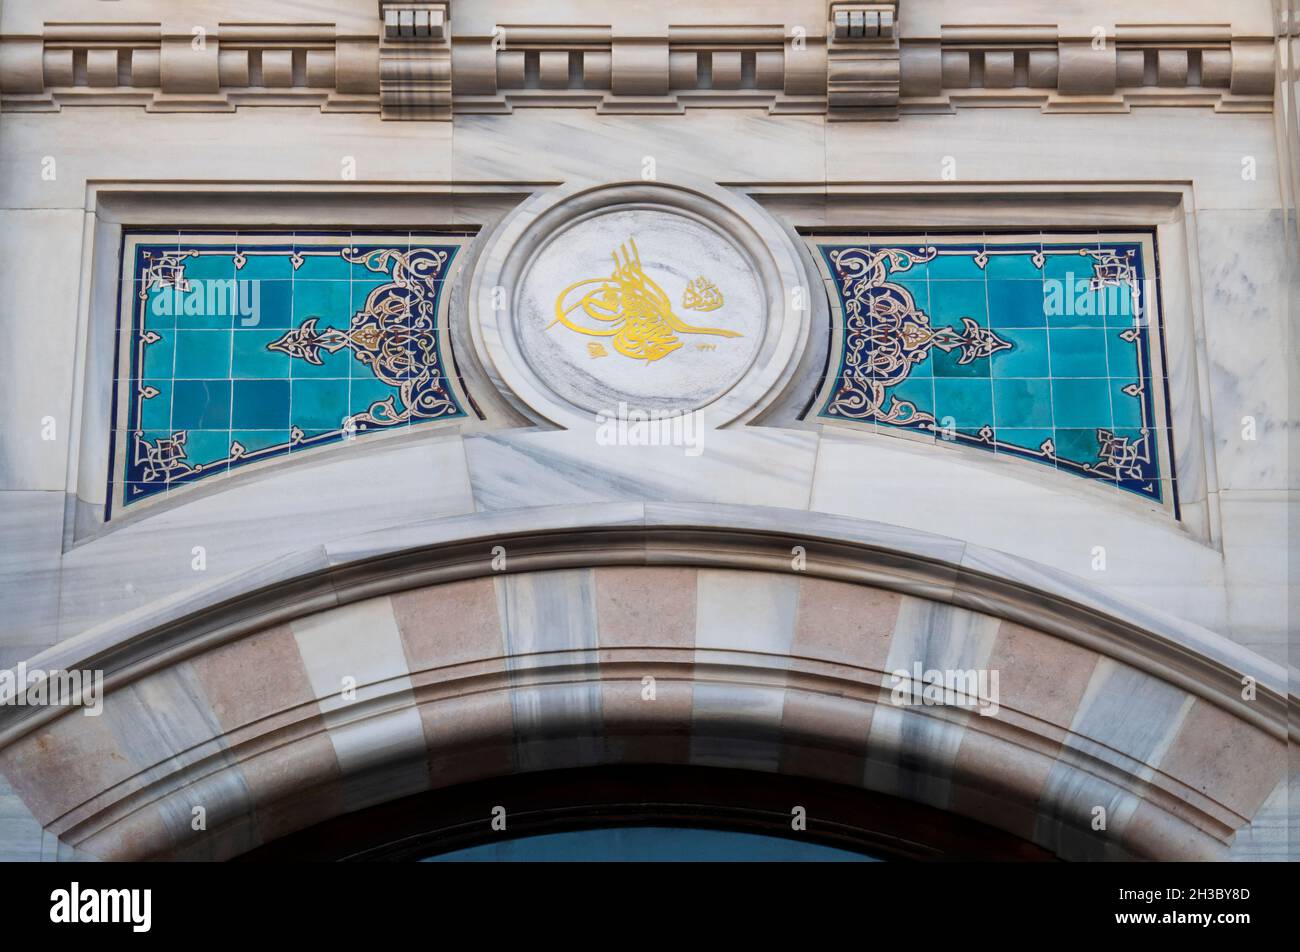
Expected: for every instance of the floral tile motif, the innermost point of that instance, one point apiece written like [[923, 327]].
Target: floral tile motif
[[1044, 347], [239, 348]]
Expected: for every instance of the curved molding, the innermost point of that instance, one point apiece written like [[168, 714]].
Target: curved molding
[[1194, 659], [457, 681]]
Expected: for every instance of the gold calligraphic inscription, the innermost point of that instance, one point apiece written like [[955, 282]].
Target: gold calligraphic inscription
[[597, 349], [702, 295], [628, 307]]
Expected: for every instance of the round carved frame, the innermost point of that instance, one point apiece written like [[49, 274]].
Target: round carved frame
[[520, 238]]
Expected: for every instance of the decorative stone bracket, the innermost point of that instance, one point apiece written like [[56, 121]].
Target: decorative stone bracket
[[414, 61], [861, 65]]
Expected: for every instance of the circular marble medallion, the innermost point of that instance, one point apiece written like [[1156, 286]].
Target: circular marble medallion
[[645, 307], [597, 301]]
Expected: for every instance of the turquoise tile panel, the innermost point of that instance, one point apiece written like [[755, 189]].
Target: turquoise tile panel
[[240, 348], [201, 404], [155, 402], [1022, 402], [260, 405], [275, 305], [202, 355], [1016, 303], [968, 403], [253, 358], [256, 441], [320, 405], [1078, 352], [1027, 348], [1026, 357], [160, 358]]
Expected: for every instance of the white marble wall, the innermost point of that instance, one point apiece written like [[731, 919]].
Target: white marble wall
[[1232, 586], [1244, 272], [52, 590]]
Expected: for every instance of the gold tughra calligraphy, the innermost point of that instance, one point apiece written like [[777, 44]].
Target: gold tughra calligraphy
[[629, 307]]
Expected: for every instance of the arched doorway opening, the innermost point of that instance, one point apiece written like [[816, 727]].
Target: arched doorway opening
[[649, 812]]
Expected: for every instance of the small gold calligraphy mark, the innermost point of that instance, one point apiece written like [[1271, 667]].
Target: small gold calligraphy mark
[[702, 295], [597, 349]]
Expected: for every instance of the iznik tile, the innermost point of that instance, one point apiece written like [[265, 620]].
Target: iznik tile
[[1043, 347], [240, 348]]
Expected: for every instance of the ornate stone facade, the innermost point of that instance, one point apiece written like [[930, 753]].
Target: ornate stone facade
[[394, 391]]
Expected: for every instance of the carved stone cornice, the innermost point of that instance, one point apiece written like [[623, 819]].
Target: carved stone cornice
[[763, 66], [1136, 65], [108, 64], [859, 63]]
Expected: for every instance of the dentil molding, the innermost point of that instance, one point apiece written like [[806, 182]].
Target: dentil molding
[[860, 62]]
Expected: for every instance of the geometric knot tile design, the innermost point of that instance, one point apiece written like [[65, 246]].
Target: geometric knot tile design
[[241, 348], [1039, 347]]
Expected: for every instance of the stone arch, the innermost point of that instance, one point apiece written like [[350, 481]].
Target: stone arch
[[235, 703]]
